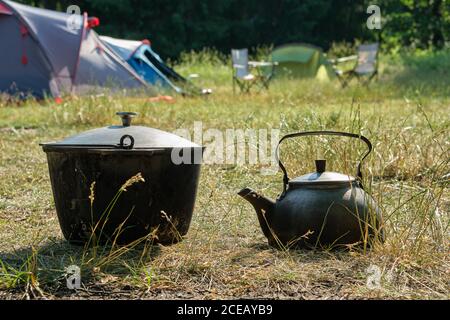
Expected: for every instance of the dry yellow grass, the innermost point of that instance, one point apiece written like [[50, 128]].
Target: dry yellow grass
[[225, 254]]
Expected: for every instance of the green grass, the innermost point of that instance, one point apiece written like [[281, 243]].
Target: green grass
[[404, 113]]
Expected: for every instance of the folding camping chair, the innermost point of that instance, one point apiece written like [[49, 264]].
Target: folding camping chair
[[242, 75], [365, 69]]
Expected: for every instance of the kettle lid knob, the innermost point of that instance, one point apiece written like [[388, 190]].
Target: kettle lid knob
[[321, 166]]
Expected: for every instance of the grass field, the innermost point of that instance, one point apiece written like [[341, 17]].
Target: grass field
[[405, 114]]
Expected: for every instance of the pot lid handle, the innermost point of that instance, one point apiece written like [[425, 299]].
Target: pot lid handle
[[320, 133], [126, 117]]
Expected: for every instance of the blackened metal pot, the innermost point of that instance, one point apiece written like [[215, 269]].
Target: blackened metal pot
[[87, 172]]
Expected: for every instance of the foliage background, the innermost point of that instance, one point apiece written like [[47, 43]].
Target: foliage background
[[175, 26]]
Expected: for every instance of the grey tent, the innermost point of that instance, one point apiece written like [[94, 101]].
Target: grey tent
[[49, 53]]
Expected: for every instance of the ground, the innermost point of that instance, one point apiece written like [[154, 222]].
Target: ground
[[224, 255]]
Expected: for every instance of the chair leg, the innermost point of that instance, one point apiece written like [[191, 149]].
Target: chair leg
[[249, 86], [343, 80], [266, 82], [242, 86], [259, 84], [372, 76], [349, 78], [263, 83], [366, 82]]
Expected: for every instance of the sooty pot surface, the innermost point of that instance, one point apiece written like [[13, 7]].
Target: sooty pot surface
[[89, 174]]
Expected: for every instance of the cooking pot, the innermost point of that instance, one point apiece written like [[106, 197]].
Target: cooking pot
[[88, 170], [319, 209]]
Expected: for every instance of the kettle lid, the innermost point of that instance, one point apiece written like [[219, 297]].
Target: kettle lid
[[329, 178], [321, 177]]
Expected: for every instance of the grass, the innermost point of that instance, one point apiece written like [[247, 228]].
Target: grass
[[224, 255]]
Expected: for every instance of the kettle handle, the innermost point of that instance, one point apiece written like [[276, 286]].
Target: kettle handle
[[321, 133]]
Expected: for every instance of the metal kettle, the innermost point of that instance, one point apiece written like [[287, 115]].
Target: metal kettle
[[319, 209]]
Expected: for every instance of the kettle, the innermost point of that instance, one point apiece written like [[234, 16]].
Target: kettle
[[320, 209]]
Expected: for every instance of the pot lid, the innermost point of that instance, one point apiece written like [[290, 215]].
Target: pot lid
[[123, 136], [322, 177]]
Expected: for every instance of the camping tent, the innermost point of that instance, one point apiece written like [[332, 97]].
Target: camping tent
[[44, 52], [140, 56], [148, 64], [302, 61]]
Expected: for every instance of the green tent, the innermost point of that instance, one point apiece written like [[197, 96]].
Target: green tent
[[302, 61]]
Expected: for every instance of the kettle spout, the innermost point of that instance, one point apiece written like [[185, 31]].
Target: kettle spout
[[264, 209]]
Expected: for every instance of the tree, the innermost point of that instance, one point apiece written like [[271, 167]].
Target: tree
[[178, 25]]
